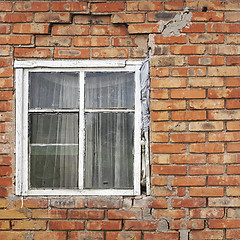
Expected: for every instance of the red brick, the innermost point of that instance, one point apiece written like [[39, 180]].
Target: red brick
[[5, 51], [206, 170], [233, 191], [161, 235], [188, 115], [123, 42], [206, 147], [8, 235], [123, 235], [53, 41], [168, 83], [233, 82], [207, 17], [206, 60], [6, 95], [168, 105], [233, 213], [207, 235], [232, 6], [104, 225], [67, 203], [224, 223], [159, 181], [224, 115], [5, 117], [233, 126], [206, 38], [186, 50], [104, 203], [71, 53], [232, 17], [53, 17], [48, 214], [159, 137], [86, 214], [86, 235], [66, 225], [144, 6], [6, 72], [223, 50], [107, 7], [187, 71], [222, 137], [169, 170], [189, 181], [124, 214], [224, 93], [159, 39], [167, 61], [128, 18], [32, 6], [206, 104], [69, 6], [5, 6], [223, 180], [174, 6], [49, 235], [159, 116], [29, 225], [233, 39], [223, 27], [6, 182], [4, 225], [15, 17], [143, 28], [140, 225], [207, 213], [194, 28], [5, 29], [91, 41], [92, 19], [224, 158], [32, 52], [211, 5], [224, 202], [33, 203], [14, 40], [14, 214], [233, 147], [166, 192], [183, 224], [206, 192], [159, 203], [5, 171], [31, 28], [188, 159], [168, 126], [188, 137], [172, 213], [110, 53], [233, 234], [108, 30], [159, 94], [168, 148], [188, 93], [70, 30], [206, 82], [233, 169], [233, 61], [233, 104], [189, 203]]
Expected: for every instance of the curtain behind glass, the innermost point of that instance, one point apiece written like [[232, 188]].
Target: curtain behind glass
[[109, 135], [53, 136]]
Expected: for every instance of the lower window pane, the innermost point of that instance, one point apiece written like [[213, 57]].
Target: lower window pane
[[109, 150], [54, 167]]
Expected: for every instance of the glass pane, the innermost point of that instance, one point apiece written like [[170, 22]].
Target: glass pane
[[54, 128], [54, 89], [54, 167], [109, 150], [109, 90]]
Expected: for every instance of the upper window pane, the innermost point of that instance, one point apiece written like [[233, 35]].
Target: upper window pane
[[54, 90], [109, 90]]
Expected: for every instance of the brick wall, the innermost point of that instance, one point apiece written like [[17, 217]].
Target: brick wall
[[195, 128]]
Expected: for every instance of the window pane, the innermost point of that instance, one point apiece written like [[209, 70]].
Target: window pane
[[109, 150], [54, 90], [54, 128], [109, 90], [54, 167]]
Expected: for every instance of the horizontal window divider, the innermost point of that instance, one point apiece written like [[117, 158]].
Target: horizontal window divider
[[109, 110], [47, 110], [53, 144]]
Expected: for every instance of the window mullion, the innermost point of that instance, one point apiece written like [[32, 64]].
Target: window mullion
[[81, 130]]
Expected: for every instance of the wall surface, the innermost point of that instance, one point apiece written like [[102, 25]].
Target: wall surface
[[195, 127]]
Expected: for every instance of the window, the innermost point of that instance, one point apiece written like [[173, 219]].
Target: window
[[78, 128]]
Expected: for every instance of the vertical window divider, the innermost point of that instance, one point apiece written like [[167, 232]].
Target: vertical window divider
[[81, 137]]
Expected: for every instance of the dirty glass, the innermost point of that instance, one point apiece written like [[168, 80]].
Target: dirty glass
[[109, 150]]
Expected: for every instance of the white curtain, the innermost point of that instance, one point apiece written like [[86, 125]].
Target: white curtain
[[53, 136], [109, 134]]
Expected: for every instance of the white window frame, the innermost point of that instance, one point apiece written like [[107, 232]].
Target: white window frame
[[22, 68]]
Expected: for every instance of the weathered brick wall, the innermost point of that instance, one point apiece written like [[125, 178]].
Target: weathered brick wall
[[195, 128]]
